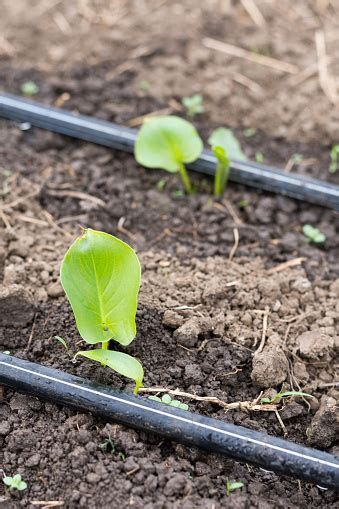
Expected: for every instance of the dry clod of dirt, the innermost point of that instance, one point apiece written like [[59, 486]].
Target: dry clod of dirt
[[292, 409], [324, 426], [214, 289], [315, 345], [55, 290], [188, 334], [270, 367], [301, 284], [172, 319], [17, 306]]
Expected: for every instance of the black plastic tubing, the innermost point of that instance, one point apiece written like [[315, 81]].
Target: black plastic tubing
[[121, 138], [213, 435]]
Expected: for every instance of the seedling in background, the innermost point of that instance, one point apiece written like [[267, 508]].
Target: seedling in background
[[259, 157], [225, 146], [107, 445], [334, 159], [313, 234], [286, 394], [232, 486], [249, 132], [168, 143], [167, 400], [29, 88], [101, 277], [193, 105], [15, 482]]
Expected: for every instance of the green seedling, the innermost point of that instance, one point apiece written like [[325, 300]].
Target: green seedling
[[15, 482], [225, 146], [161, 184], [167, 400], [62, 341], [168, 143], [286, 394], [259, 157], [193, 105], [101, 277], [232, 486], [249, 132], [297, 158], [144, 85], [107, 445], [244, 203], [334, 159], [29, 88], [313, 234]]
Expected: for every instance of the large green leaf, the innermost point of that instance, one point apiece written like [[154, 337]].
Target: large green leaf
[[164, 142], [101, 277], [124, 364], [225, 138]]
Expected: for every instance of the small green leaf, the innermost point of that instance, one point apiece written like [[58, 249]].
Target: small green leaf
[[29, 88], [294, 393], [62, 341], [193, 105], [154, 398], [334, 159], [101, 277], [259, 157], [313, 234], [167, 142], [231, 486], [249, 132], [120, 362], [175, 403], [183, 406], [15, 482], [225, 138], [8, 480], [166, 399]]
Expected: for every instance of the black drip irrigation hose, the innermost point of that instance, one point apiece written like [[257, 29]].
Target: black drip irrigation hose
[[188, 428], [121, 138]]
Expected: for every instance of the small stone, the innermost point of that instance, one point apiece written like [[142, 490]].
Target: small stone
[[300, 371], [315, 345], [324, 426], [5, 428], [33, 461], [93, 478], [269, 288], [177, 485], [291, 409], [214, 289], [17, 307], [55, 290], [193, 374], [301, 284], [172, 319], [270, 367], [18, 248]]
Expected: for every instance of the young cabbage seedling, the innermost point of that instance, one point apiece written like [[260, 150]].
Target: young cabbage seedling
[[168, 143], [231, 486], [15, 482], [167, 400], [313, 234], [101, 277], [225, 146], [29, 88], [193, 105]]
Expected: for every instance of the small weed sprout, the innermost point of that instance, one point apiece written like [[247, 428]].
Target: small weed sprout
[[15, 482], [259, 157], [167, 400], [101, 277], [313, 235], [232, 486], [225, 146], [334, 159], [62, 341], [107, 445], [168, 143], [286, 394], [29, 88], [193, 105], [249, 132]]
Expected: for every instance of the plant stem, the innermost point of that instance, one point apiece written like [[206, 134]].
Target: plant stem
[[221, 177], [104, 346], [185, 178]]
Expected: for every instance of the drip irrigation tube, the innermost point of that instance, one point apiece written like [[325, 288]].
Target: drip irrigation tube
[[121, 138], [216, 436]]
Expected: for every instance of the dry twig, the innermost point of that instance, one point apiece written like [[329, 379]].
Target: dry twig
[[236, 244], [264, 330], [235, 51], [286, 265], [253, 11], [326, 81]]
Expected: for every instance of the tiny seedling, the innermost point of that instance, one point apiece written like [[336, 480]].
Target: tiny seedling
[[167, 400], [144, 85], [313, 234], [225, 146], [168, 143], [62, 341], [249, 132], [101, 277], [15, 482], [29, 88], [244, 203], [193, 105], [286, 394], [259, 157], [232, 486], [334, 159], [107, 445], [161, 184]]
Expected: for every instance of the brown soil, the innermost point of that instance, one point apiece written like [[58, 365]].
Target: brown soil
[[206, 347]]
